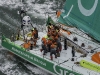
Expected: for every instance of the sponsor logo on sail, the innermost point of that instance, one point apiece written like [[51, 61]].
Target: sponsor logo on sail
[[85, 11]]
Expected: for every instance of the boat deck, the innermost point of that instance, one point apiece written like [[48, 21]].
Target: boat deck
[[65, 55]]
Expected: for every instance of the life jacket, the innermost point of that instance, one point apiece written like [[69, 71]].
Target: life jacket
[[49, 42], [53, 46], [50, 26], [49, 33], [52, 37], [19, 37], [55, 38], [46, 36], [44, 41], [29, 34], [26, 45], [32, 28], [53, 33], [57, 30], [29, 43]]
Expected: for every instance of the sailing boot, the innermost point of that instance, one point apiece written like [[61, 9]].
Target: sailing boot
[[44, 54], [31, 47], [72, 59], [60, 48], [51, 57], [58, 54], [35, 43], [55, 56]]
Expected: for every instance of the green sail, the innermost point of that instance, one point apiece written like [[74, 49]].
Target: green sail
[[84, 15]]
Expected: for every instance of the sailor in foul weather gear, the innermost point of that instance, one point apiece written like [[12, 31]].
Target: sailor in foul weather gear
[[18, 36], [53, 50], [35, 36], [65, 43], [58, 13], [44, 46], [36, 33], [59, 47], [49, 42], [31, 43], [73, 53]]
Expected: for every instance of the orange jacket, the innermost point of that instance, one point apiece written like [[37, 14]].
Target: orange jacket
[[26, 45], [49, 41], [56, 37], [44, 41], [58, 13], [53, 46], [68, 32]]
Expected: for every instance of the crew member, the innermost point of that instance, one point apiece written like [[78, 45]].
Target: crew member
[[73, 53], [31, 43], [44, 46], [35, 36], [26, 45], [58, 12], [53, 50]]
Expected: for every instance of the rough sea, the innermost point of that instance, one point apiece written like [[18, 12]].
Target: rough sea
[[10, 20]]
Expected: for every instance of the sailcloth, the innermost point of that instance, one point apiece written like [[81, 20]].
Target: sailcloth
[[49, 20], [84, 15]]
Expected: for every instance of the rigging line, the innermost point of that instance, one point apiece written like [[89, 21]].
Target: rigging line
[[21, 1], [77, 34], [79, 29], [80, 35], [78, 45], [32, 25], [86, 34], [96, 48], [85, 37], [63, 61]]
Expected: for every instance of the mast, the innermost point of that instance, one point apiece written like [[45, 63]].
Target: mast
[[22, 13]]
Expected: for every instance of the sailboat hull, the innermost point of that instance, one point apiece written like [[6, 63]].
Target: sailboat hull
[[39, 61]]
